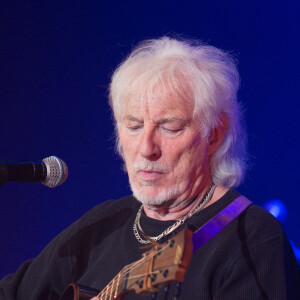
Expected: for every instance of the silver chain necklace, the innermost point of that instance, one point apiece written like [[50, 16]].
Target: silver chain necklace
[[137, 225]]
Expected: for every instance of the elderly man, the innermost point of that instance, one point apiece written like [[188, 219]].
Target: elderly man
[[178, 127]]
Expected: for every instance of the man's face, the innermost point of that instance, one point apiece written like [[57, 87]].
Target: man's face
[[166, 157]]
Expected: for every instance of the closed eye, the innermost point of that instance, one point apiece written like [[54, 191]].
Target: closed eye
[[172, 130], [173, 125], [134, 128]]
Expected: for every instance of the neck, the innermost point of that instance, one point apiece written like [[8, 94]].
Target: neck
[[179, 210]]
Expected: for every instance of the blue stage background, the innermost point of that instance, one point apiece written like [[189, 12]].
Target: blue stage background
[[56, 61]]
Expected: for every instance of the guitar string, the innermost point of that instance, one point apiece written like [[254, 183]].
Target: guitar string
[[153, 272], [132, 277], [128, 268], [103, 292], [131, 267]]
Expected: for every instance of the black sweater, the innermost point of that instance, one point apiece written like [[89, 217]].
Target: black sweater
[[250, 259]]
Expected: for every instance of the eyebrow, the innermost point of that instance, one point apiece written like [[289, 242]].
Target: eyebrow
[[132, 118], [171, 120], [160, 121]]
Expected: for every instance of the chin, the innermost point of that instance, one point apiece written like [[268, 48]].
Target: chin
[[153, 196]]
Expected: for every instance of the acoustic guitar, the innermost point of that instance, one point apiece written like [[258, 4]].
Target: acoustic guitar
[[162, 264]]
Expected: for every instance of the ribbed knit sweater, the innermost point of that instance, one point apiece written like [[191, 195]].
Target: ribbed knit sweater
[[250, 259]]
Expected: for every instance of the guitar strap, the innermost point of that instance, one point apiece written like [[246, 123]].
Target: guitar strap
[[217, 223]]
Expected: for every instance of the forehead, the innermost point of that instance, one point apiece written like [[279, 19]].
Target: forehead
[[158, 106]]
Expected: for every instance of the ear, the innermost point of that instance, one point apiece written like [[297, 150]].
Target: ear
[[217, 135]]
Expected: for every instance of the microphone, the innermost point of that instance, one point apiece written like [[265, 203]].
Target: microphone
[[51, 171]]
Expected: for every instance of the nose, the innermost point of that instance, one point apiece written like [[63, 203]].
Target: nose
[[149, 146]]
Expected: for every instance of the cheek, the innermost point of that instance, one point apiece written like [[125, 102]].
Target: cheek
[[178, 159], [128, 157], [182, 150], [126, 144], [190, 157]]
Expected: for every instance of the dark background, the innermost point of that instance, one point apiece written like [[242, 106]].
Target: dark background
[[56, 59]]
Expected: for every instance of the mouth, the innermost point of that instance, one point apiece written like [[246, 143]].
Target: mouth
[[149, 175]]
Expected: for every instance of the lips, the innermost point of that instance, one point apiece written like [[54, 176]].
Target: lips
[[147, 175]]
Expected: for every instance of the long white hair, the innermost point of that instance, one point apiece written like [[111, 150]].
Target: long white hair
[[195, 72]]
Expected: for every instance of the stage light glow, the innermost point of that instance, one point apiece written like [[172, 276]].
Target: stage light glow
[[277, 208], [296, 250]]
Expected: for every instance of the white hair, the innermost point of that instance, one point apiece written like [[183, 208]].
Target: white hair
[[195, 72]]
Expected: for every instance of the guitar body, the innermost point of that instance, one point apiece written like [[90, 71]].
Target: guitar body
[[76, 292]]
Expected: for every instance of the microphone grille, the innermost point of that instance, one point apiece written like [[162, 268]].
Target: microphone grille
[[57, 171]]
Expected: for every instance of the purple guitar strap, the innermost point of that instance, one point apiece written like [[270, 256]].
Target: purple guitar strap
[[212, 227]]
